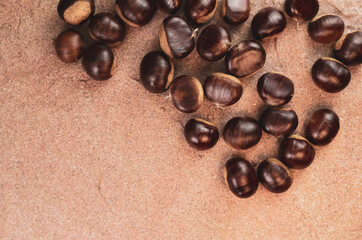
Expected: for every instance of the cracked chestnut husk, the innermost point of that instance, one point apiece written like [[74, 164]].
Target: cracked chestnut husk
[[279, 122], [200, 11], [169, 6], [348, 49], [301, 9], [135, 13], [235, 12], [326, 28], [76, 12], [69, 46], [201, 134]]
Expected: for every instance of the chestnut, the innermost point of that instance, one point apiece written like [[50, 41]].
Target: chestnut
[[176, 37], [99, 62], [223, 89], [326, 29], [201, 134], [200, 11], [240, 177], [245, 58], [69, 46], [187, 94], [242, 132], [296, 152], [330, 75], [76, 12], [302, 9], [268, 23], [348, 49], [107, 28], [275, 89], [213, 43], [156, 72], [169, 6], [322, 127], [235, 12], [279, 122], [135, 13]]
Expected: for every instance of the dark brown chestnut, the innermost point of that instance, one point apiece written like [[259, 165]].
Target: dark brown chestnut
[[348, 49], [330, 75], [135, 13], [201, 134], [99, 62], [235, 12], [223, 89], [200, 11], [240, 177], [242, 133], [275, 89], [176, 37], [107, 28], [245, 58], [156, 72], [326, 29], [268, 23], [187, 94], [69, 46], [76, 12], [274, 175], [169, 6], [279, 122], [296, 152], [322, 127], [302, 9]]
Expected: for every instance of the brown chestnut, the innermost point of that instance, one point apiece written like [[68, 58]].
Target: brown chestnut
[[69, 46], [275, 89], [268, 23], [279, 122], [169, 6], [245, 58], [235, 12], [296, 152], [99, 62], [348, 49], [223, 89], [242, 133], [76, 12], [240, 177], [135, 13], [187, 94], [326, 29], [176, 37], [201, 134], [156, 72], [302, 9], [330, 75], [322, 127], [200, 11]]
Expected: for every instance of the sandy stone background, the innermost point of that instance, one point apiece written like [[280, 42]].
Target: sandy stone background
[[81, 159]]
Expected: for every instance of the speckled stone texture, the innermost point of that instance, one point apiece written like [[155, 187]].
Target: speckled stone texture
[[81, 159]]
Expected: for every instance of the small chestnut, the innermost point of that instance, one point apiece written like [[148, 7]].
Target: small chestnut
[[326, 29], [156, 72], [213, 43], [201, 134], [275, 89], [348, 49], [235, 12], [223, 89], [268, 23], [76, 12], [135, 13], [330, 75], [279, 122], [322, 127], [200, 11], [187, 94], [169, 6], [302, 9], [245, 58], [242, 133], [240, 177], [69, 46], [274, 175], [99, 62]]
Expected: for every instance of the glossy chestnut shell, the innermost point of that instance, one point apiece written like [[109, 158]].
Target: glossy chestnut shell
[[302, 9], [200, 11], [201, 134], [69, 46], [169, 6], [135, 13], [326, 29], [76, 12], [235, 12], [278, 122], [348, 49]]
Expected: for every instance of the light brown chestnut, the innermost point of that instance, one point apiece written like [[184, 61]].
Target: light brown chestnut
[[302, 9], [326, 28], [235, 12], [76, 12], [135, 13], [279, 122], [169, 6], [69, 46], [201, 134], [200, 11], [348, 49]]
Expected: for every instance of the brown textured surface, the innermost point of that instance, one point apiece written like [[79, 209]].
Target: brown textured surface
[[86, 160]]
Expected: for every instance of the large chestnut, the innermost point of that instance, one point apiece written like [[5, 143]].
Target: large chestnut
[[326, 29], [99, 62], [135, 13], [268, 23], [156, 72], [279, 122], [240, 177], [348, 49], [201, 134], [330, 75], [187, 94], [322, 127], [302, 9], [245, 58], [200, 11], [69, 46], [169, 6], [235, 11], [76, 12], [176, 37], [242, 132], [274, 175]]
